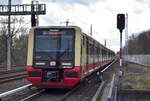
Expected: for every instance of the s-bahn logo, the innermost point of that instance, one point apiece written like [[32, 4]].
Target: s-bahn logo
[[53, 63]]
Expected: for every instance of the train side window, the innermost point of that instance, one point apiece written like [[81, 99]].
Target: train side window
[[98, 52], [91, 53], [87, 50]]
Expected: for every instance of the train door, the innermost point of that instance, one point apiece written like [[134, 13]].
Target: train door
[[87, 54], [102, 56], [91, 53], [81, 71], [83, 55], [94, 54]]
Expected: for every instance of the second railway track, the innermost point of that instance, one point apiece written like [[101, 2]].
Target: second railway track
[[6, 77]]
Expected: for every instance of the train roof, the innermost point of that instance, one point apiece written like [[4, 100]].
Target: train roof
[[56, 27], [96, 41]]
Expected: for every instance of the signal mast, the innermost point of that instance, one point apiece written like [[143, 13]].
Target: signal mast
[[121, 26]]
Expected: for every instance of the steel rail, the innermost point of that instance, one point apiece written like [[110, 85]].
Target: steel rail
[[11, 71], [69, 93], [2, 95], [12, 78], [111, 91], [33, 95], [109, 65], [99, 91], [39, 92], [11, 75]]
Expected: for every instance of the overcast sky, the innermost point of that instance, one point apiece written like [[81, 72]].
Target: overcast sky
[[100, 13]]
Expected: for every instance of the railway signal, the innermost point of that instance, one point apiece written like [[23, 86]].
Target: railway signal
[[121, 21], [121, 26]]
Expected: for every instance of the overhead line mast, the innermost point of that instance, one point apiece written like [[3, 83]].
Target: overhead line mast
[[9, 38], [126, 37], [25, 9], [66, 22]]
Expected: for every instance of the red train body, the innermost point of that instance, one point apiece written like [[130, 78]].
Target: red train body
[[72, 62]]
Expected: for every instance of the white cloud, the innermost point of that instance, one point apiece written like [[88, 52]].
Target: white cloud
[[100, 13]]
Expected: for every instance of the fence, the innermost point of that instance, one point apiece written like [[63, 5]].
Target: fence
[[135, 81], [140, 59]]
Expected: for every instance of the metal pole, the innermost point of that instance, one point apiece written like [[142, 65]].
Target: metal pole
[[105, 43], [67, 22], [126, 37], [120, 47], [35, 9], [9, 39], [91, 30]]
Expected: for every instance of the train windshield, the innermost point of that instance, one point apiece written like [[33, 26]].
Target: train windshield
[[54, 44]]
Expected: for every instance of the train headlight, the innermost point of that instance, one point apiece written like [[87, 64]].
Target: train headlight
[[40, 63], [66, 66]]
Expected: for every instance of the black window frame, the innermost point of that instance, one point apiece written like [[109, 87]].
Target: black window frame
[[34, 49]]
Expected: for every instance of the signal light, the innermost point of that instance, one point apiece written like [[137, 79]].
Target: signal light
[[120, 21]]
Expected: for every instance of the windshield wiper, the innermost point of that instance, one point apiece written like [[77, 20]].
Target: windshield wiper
[[65, 51]]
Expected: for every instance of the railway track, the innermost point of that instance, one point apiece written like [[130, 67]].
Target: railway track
[[69, 93], [31, 97], [13, 68], [63, 94], [53, 95], [11, 71], [83, 92], [12, 75]]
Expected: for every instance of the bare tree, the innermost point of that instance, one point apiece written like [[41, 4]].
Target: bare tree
[[139, 44], [18, 35]]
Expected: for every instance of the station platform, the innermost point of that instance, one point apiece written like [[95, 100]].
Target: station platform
[[128, 92]]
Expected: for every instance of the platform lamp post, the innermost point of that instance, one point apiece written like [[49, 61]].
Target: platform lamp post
[[121, 26]]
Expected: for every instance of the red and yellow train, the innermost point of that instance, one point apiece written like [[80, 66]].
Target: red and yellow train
[[61, 56]]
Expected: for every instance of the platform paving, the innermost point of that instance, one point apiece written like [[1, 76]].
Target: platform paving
[[105, 93]]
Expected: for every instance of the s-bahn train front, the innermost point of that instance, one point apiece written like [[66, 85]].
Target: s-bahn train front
[[52, 57]]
